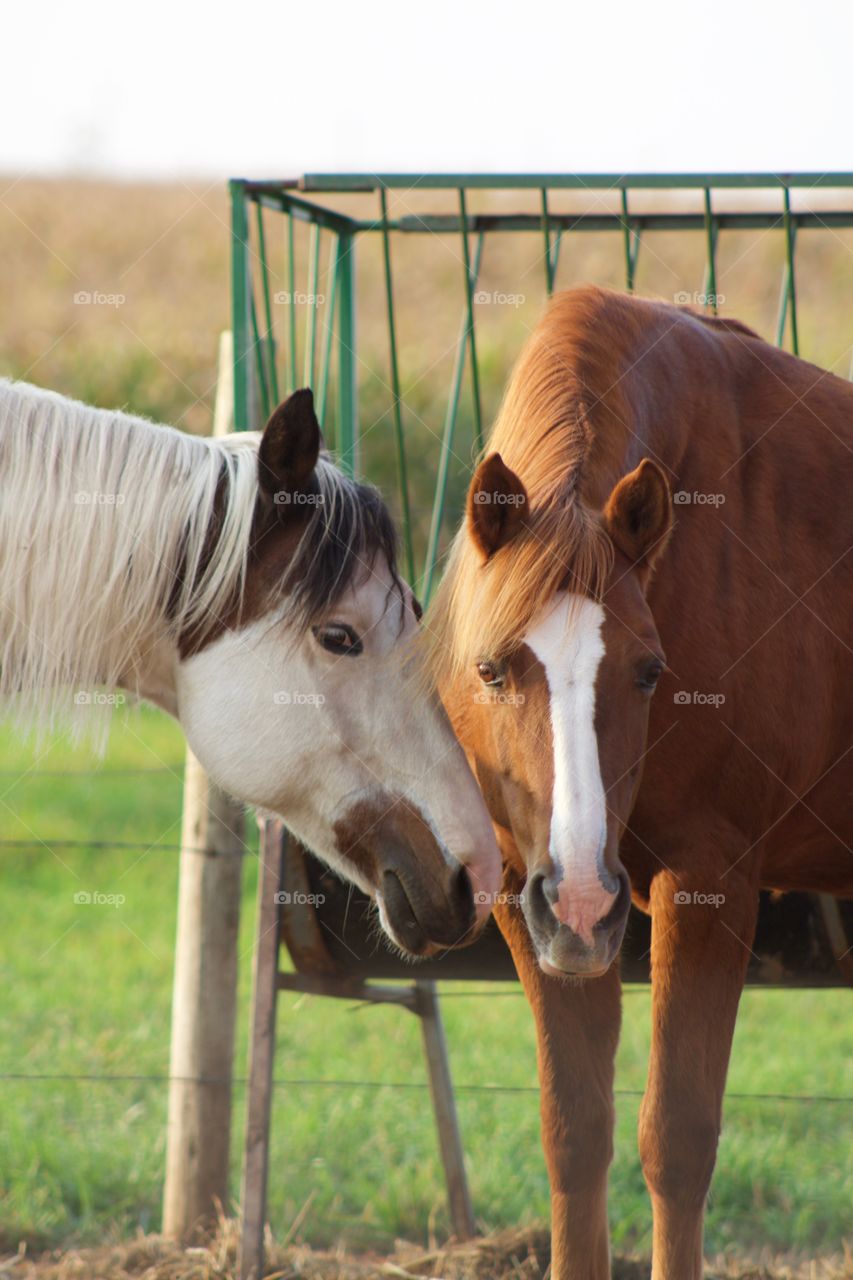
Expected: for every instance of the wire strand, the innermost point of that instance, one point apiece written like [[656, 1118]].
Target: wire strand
[[405, 1085]]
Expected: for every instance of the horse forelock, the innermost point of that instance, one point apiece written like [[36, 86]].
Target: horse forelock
[[349, 529], [544, 431]]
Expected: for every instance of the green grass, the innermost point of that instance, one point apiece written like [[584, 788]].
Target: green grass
[[86, 990]]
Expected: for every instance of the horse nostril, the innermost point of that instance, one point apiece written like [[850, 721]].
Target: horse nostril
[[621, 902], [401, 913], [612, 882], [462, 894], [542, 891]]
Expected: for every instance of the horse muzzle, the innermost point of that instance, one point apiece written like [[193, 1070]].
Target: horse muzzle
[[424, 895], [586, 951]]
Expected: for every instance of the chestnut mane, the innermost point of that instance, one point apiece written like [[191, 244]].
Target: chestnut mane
[[544, 433]]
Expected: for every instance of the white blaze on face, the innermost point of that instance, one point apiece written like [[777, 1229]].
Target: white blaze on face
[[567, 641]]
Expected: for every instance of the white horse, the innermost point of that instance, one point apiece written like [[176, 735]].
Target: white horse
[[249, 588]]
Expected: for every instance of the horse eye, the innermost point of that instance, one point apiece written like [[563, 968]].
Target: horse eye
[[489, 673], [649, 674], [338, 638]]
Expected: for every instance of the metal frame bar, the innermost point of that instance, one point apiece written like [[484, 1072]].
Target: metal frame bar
[[550, 263], [734, 220], [447, 438], [269, 337], [347, 441], [326, 357], [240, 290], [790, 246], [253, 1197], [469, 302], [710, 284], [291, 310], [402, 470], [311, 303], [631, 244], [258, 348], [340, 182]]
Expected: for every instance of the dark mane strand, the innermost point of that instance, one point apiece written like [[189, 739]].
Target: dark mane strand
[[350, 527]]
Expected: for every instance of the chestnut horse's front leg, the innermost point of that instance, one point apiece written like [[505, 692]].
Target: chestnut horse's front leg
[[702, 931], [577, 1030]]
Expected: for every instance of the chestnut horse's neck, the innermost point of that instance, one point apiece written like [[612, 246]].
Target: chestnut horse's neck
[[607, 379]]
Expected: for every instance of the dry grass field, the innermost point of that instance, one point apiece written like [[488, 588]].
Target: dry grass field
[[507, 1255], [116, 294], [155, 261]]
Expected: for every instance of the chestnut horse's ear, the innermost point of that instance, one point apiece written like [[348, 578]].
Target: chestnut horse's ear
[[497, 505], [289, 448], [638, 515]]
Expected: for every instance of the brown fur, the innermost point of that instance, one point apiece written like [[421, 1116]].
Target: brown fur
[[543, 434], [751, 603]]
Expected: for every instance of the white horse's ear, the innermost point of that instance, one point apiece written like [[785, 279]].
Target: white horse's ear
[[289, 448]]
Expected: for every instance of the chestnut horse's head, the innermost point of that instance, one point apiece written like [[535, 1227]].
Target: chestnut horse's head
[[555, 658]]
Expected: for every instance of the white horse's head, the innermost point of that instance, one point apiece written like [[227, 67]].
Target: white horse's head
[[301, 700], [248, 587]]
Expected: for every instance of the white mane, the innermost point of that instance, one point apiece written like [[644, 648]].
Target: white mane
[[98, 513]]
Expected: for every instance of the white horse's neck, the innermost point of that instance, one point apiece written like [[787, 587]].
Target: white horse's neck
[[104, 523]]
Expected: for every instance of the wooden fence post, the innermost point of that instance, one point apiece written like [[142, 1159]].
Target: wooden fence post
[[204, 1002]]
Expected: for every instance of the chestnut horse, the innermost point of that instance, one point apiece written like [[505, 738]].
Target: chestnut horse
[[249, 588], [655, 707]]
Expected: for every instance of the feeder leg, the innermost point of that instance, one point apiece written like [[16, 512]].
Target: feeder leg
[[261, 1054], [444, 1106]]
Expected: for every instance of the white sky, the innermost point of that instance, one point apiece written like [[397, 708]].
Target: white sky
[[269, 90]]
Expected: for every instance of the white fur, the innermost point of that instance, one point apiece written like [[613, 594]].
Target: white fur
[[88, 598], [567, 641], [96, 510], [306, 733]]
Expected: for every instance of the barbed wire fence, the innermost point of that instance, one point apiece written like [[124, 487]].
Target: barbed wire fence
[[449, 990]]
